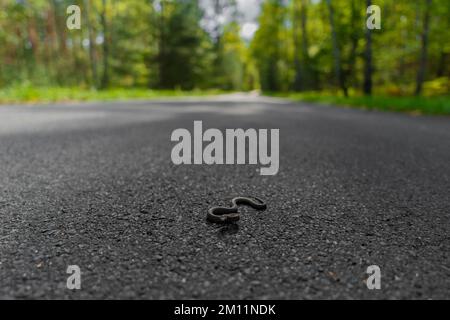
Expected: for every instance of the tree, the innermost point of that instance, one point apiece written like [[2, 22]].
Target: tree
[[300, 45], [424, 49], [305, 45], [184, 56], [105, 77], [267, 43], [222, 17], [336, 51], [303, 73], [298, 81], [92, 60], [355, 35], [368, 69]]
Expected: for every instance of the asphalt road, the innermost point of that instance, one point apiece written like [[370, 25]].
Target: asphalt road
[[93, 185]]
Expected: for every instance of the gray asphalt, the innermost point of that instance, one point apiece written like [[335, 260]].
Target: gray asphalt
[[93, 185]]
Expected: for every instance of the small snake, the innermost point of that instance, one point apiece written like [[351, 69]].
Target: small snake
[[227, 215]]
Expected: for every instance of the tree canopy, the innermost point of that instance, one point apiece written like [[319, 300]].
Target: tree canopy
[[300, 45]]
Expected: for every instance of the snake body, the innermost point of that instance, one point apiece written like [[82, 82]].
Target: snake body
[[231, 214]]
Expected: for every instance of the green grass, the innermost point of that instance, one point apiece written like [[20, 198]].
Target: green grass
[[438, 105], [30, 94]]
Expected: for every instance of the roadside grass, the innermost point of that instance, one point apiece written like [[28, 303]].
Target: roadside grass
[[436, 105], [31, 94]]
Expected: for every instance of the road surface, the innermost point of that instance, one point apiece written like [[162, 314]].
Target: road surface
[[93, 185]]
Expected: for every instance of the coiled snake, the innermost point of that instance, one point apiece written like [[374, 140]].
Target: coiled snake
[[227, 215]]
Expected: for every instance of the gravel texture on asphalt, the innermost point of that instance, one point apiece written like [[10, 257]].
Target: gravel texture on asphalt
[[93, 185]]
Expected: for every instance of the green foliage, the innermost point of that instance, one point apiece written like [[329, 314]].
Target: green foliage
[[415, 105], [184, 47], [268, 46], [31, 94], [164, 44], [282, 61]]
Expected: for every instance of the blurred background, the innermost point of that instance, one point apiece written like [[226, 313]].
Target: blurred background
[[314, 50]]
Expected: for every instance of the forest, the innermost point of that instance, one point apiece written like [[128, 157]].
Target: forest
[[317, 50]]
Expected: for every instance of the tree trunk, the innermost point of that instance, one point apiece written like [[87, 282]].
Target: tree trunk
[[368, 68], [105, 77], [33, 37], [423, 55], [217, 46], [298, 81], [303, 71], [162, 48], [442, 65], [305, 41], [354, 39], [60, 28], [336, 51], [92, 60]]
